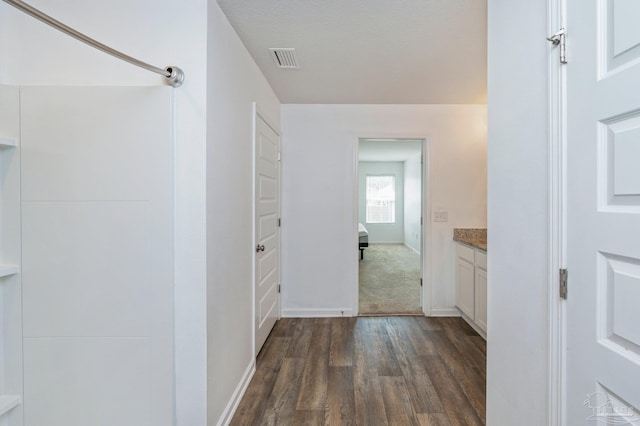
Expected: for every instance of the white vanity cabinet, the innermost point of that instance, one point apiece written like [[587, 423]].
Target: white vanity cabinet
[[471, 286]]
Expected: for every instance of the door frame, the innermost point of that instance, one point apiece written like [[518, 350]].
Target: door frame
[[425, 238], [257, 112], [557, 219]]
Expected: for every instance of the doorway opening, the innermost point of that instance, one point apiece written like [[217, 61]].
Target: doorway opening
[[390, 200]]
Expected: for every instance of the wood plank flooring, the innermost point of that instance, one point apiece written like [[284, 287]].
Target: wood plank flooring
[[368, 371]]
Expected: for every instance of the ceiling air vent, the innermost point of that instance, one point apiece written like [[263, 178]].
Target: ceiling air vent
[[285, 57]]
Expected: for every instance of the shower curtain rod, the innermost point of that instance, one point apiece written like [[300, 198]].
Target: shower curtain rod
[[173, 75]]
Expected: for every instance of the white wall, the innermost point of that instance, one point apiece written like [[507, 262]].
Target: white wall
[[382, 232], [412, 200], [319, 200], [162, 33], [518, 226], [235, 82], [97, 255]]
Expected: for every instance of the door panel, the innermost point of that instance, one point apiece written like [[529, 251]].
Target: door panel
[[267, 236], [603, 211]]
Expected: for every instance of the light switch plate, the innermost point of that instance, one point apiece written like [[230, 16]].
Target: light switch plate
[[440, 216]]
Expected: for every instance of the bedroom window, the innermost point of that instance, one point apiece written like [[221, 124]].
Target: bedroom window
[[381, 199]]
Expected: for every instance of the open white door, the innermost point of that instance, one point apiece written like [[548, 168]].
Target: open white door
[[267, 235], [603, 212]]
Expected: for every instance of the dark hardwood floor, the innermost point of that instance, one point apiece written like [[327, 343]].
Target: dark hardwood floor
[[368, 371]]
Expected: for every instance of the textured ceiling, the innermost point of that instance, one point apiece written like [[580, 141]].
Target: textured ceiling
[[369, 51]]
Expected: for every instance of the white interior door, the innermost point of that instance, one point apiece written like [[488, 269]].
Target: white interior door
[[267, 235], [603, 212], [97, 255]]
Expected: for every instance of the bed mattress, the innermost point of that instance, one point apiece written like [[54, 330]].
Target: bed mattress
[[363, 234]]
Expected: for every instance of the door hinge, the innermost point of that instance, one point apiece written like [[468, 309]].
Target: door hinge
[[560, 39], [420, 282], [279, 222], [420, 220], [278, 156], [278, 288], [564, 274]]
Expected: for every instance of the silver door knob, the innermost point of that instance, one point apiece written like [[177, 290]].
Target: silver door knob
[[260, 248]]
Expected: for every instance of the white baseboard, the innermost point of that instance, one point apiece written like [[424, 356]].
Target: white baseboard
[[445, 312], [238, 393], [408, 246], [386, 242], [317, 313]]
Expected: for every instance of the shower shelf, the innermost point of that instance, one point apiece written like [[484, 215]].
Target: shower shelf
[[8, 402], [6, 270], [7, 142]]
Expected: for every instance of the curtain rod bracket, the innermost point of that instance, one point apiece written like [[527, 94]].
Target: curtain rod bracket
[[175, 77]]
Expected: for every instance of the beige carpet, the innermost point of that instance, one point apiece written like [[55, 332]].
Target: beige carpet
[[389, 280]]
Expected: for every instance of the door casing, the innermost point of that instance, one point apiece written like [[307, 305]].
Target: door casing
[[425, 239], [557, 219]]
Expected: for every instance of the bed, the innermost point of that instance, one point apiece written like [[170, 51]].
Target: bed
[[363, 239]]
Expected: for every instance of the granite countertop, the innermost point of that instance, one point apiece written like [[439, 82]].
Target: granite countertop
[[475, 237]]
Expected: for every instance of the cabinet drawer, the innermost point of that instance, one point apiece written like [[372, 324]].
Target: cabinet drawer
[[465, 252], [481, 259]]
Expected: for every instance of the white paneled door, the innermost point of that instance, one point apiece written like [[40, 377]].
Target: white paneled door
[[267, 235], [603, 212], [97, 263]]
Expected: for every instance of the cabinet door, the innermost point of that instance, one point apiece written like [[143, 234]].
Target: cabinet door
[[481, 298], [465, 297]]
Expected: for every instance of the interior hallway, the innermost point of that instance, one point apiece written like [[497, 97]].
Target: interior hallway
[[368, 371]]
